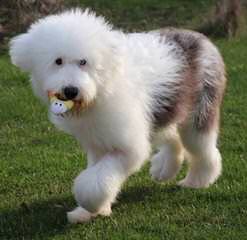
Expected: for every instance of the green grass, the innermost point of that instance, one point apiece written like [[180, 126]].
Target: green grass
[[139, 15], [38, 163]]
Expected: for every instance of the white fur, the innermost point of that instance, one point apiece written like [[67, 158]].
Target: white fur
[[79, 215], [122, 72], [167, 162], [205, 159]]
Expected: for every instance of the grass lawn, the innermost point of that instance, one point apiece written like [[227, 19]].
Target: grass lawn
[[38, 163]]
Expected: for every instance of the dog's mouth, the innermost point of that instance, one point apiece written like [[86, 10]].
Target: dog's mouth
[[62, 106]]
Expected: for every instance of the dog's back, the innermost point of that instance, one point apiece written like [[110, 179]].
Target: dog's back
[[204, 76]]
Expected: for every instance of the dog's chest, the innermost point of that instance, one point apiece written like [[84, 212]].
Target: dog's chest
[[101, 132]]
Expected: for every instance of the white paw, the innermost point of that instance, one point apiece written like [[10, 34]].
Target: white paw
[[156, 167], [198, 180], [203, 173], [165, 165], [98, 185], [106, 211], [79, 215], [192, 183]]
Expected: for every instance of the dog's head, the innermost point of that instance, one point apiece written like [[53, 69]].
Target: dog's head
[[72, 54]]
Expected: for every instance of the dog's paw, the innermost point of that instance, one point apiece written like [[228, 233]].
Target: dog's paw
[[189, 183], [203, 172], [106, 211], [165, 165], [198, 180], [159, 171], [79, 215], [157, 167]]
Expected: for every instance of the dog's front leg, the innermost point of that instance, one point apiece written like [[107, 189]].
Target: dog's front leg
[[93, 156], [99, 184], [96, 188]]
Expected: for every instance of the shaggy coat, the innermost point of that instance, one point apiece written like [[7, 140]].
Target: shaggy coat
[[163, 87]]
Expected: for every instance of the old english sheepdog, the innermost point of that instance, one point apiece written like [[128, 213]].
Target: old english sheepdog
[[132, 90]]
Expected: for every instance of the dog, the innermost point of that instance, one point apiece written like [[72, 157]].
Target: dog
[[162, 88]]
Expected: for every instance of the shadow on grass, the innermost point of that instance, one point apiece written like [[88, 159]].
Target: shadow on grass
[[141, 193], [45, 218], [174, 195]]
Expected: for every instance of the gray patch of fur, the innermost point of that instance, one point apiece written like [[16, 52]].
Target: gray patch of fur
[[202, 86]]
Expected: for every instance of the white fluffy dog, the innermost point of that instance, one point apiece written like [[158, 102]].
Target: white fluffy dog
[[164, 86]]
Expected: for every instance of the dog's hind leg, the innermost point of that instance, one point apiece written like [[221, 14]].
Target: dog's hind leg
[[167, 162], [200, 131], [205, 158]]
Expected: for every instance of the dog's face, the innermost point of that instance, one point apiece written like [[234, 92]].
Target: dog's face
[[69, 54]]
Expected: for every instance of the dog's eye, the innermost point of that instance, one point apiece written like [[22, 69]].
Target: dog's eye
[[59, 61], [82, 62]]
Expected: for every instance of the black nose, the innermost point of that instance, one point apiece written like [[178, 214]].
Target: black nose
[[70, 92]]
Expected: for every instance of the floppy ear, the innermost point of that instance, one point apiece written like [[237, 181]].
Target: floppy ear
[[20, 51]]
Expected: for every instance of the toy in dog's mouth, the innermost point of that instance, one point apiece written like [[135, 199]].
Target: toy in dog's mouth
[[61, 106]]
